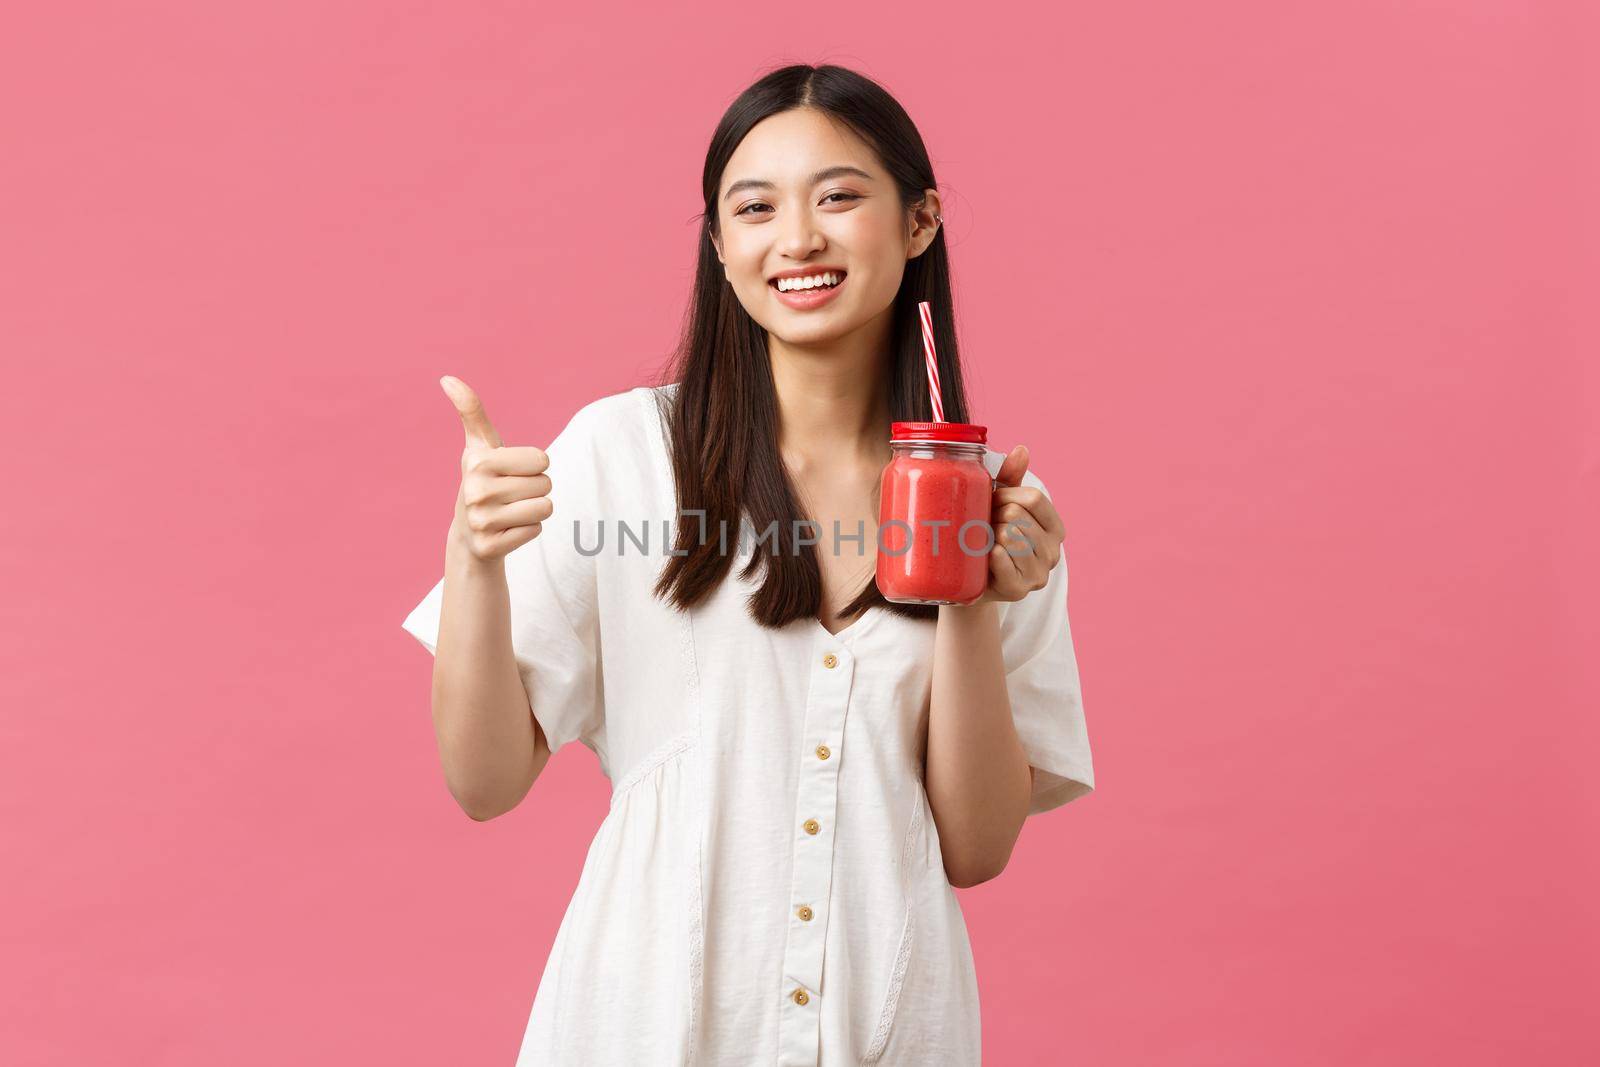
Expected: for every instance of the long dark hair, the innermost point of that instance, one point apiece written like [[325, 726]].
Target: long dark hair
[[723, 422]]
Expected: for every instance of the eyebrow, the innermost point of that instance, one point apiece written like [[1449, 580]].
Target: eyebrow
[[820, 176]]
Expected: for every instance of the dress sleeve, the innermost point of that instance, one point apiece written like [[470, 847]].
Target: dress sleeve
[[552, 588], [1042, 682]]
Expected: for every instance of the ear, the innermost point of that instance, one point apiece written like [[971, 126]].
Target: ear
[[925, 223], [717, 245]]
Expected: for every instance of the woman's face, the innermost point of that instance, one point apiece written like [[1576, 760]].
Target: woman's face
[[804, 193]]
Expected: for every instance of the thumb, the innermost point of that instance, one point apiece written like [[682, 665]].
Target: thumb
[[474, 420], [1012, 468]]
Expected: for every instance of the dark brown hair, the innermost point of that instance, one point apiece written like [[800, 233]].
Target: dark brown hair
[[724, 419]]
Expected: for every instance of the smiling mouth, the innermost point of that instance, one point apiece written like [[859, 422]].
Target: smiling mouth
[[811, 289]]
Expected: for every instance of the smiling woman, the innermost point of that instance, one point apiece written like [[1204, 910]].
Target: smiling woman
[[825, 239], [803, 179], [804, 772]]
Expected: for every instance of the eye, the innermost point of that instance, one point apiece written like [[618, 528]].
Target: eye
[[746, 209]]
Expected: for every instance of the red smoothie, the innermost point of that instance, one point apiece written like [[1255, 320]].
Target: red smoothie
[[934, 484]]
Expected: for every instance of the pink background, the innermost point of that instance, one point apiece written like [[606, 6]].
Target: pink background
[[1295, 309]]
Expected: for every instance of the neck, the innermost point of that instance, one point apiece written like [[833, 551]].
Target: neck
[[833, 399]]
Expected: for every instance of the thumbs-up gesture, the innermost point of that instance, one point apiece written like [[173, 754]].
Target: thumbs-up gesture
[[1027, 534], [505, 494]]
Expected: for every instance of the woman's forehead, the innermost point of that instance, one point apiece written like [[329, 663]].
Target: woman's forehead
[[792, 147]]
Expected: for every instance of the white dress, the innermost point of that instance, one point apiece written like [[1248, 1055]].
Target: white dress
[[710, 925]]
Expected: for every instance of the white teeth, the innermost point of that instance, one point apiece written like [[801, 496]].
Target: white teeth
[[809, 282]]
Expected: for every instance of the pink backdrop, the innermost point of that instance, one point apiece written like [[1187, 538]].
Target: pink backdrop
[[1295, 310]]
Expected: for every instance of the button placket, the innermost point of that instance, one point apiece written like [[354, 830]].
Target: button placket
[[816, 808]]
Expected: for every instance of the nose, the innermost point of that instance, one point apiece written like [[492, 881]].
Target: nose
[[800, 236]]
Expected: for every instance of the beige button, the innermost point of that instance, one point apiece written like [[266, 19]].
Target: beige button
[[812, 826], [804, 912], [823, 752], [800, 996], [830, 661]]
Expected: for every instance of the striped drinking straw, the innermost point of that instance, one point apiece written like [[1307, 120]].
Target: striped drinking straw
[[925, 313]]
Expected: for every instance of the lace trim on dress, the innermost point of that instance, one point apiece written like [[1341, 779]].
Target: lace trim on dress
[[652, 398], [662, 754], [696, 927]]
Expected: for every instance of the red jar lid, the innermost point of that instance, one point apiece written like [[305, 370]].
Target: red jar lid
[[962, 433]]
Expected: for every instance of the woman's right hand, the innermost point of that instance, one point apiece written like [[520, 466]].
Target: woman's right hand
[[505, 494]]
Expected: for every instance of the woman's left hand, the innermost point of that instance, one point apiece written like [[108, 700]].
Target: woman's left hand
[[1027, 531]]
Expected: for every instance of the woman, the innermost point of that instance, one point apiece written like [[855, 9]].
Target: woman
[[801, 770]]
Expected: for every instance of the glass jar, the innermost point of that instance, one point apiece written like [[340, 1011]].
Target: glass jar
[[934, 506]]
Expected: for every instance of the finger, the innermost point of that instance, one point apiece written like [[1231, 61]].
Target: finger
[[494, 518], [1042, 526], [1013, 512], [495, 545], [1036, 503], [507, 489], [1013, 466], [1014, 537], [1015, 517], [521, 460], [1032, 565], [474, 420], [1007, 578], [1042, 545]]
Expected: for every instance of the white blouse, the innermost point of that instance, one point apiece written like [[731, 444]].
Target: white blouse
[[767, 886]]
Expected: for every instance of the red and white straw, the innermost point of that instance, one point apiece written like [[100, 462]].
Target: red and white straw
[[925, 313]]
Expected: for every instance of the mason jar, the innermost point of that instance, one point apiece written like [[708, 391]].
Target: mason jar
[[934, 506]]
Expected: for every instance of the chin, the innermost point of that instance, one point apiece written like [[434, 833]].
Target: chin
[[810, 333]]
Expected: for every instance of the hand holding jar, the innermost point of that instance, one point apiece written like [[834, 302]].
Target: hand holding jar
[[1029, 534]]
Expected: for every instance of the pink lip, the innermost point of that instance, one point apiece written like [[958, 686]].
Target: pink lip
[[814, 298]]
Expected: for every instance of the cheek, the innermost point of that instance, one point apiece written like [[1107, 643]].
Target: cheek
[[879, 260], [744, 265], [876, 285]]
